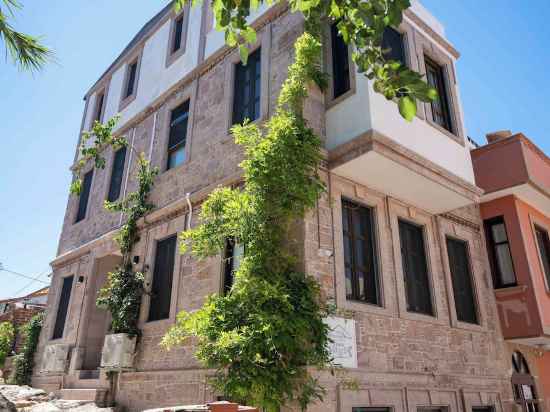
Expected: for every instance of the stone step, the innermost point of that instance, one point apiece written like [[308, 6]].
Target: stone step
[[87, 384], [99, 396]]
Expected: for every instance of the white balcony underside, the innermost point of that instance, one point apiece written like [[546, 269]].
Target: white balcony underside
[[374, 161]]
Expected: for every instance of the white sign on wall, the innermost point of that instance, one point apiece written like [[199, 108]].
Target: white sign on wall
[[343, 345]]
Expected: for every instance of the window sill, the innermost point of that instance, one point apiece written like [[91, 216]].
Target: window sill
[[364, 307], [260, 122], [126, 101], [446, 132], [172, 57], [471, 327], [331, 102], [510, 290]]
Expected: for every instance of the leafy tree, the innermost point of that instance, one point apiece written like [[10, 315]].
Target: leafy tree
[[26, 52]]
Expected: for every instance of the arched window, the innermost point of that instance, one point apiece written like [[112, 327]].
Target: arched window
[[523, 384]]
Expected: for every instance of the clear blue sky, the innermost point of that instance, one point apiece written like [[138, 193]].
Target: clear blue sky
[[502, 73]]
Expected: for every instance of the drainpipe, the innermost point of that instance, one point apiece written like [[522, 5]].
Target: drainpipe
[[190, 206], [153, 136], [128, 171]]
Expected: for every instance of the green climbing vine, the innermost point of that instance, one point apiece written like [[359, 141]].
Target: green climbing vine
[[24, 361], [122, 293], [263, 337], [7, 335]]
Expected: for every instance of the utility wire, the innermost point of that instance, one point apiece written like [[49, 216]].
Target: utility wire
[[2, 268], [30, 283]]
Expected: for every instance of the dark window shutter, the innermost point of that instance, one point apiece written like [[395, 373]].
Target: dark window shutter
[[461, 276], [63, 307], [247, 89], [544, 249], [233, 255], [84, 196], [440, 107], [99, 106], [415, 268], [393, 46], [360, 263], [132, 71], [163, 274], [340, 63], [178, 31], [117, 174]]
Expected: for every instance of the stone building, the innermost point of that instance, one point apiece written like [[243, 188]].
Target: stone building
[[516, 211], [397, 241]]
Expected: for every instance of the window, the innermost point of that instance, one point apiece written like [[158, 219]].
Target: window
[[523, 384], [246, 102], [340, 63], [415, 268], [393, 45], [100, 97], [84, 196], [365, 409], [131, 76], [116, 174], [178, 34], [63, 307], [359, 253], [500, 254], [234, 253], [544, 250], [178, 135], [461, 276], [161, 292], [440, 107]]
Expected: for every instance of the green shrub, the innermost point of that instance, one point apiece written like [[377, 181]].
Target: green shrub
[[24, 361], [7, 335]]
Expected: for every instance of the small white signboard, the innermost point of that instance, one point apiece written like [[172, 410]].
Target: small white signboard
[[343, 345]]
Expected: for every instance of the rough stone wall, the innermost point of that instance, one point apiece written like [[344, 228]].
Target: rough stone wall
[[401, 355]]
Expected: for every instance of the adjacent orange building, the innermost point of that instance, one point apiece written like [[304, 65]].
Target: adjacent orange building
[[515, 175]]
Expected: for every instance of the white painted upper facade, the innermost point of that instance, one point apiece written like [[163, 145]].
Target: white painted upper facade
[[360, 112]]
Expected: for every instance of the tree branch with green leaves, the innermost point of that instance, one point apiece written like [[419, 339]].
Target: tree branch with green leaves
[[361, 24]]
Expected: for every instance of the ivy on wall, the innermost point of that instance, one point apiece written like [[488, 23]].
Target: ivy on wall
[[122, 293], [24, 361], [262, 336]]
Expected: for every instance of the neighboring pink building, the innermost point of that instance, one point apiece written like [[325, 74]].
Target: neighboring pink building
[[515, 175]]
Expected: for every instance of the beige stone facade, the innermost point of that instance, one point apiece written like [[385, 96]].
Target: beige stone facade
[[405, 360]]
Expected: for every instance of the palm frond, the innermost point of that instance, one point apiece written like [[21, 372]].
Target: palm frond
[[26, 52]]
